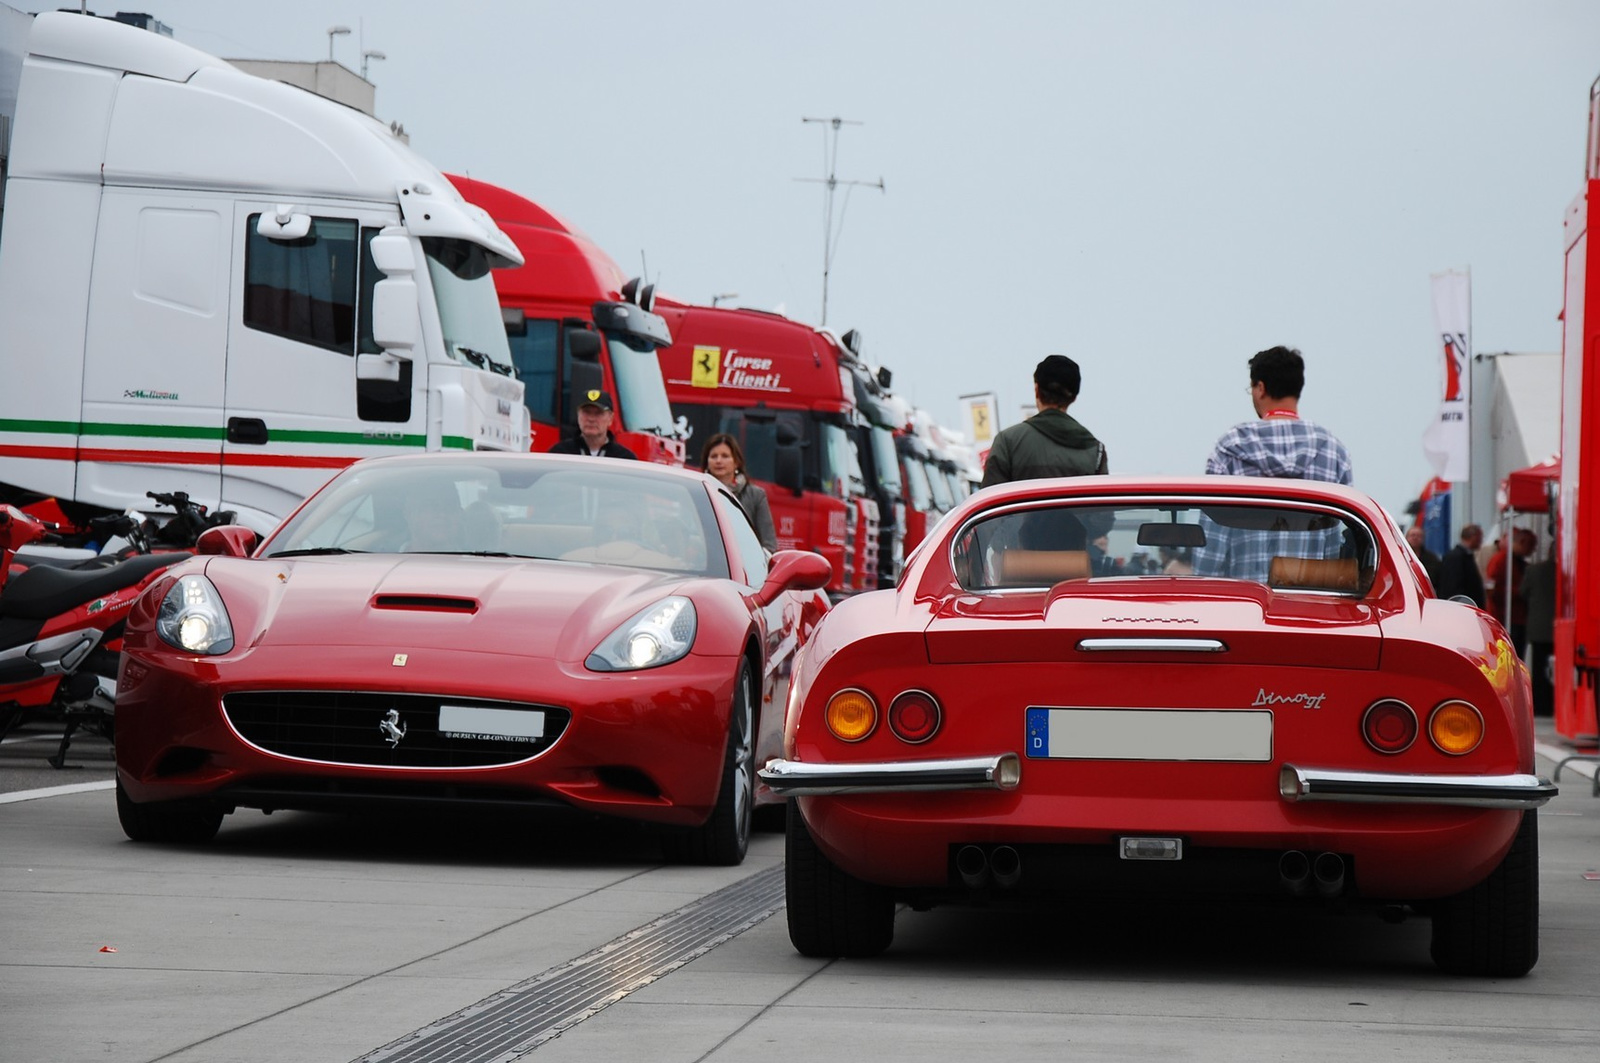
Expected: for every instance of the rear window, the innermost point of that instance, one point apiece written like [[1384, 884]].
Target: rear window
[[1282, 546]]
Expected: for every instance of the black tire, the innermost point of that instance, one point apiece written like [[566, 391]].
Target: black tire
[[724, 838], [183, 822], [1492, 929], [830, 913]]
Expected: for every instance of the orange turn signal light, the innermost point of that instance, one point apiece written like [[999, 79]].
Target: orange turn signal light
[[851, 715], [1455, 728]]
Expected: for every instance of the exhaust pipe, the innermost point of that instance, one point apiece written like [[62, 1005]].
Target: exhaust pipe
[[973, 867], [1327, 871], [1006, 864], [1294, 871]]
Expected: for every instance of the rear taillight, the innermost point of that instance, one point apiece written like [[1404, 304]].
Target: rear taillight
[[1456, 728], [851, 715], [914, 716], [1389, 726]]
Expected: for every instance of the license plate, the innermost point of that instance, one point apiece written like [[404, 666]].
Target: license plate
[[491, 725], [1150, 734]]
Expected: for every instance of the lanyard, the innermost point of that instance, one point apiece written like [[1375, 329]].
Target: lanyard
[[1290, 414]]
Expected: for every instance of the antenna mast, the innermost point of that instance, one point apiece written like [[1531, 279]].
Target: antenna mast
[[830, 233]]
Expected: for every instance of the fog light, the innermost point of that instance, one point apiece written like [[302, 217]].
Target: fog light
[[851, 715], [1389, 726], [1455, 728], [914, 716], [1152, 848]]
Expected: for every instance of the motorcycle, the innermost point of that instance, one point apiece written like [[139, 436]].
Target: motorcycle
[[61, 620]]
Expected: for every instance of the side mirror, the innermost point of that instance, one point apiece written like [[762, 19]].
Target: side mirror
[[378, 367], [794, 570], [227, 540], [394, 315], [583, 345], [392, 252], [787, 471]]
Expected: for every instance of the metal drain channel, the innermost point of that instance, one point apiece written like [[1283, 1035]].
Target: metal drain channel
[[517, 1020]]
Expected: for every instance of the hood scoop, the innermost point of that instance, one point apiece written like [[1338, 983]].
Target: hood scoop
[[427, 603]]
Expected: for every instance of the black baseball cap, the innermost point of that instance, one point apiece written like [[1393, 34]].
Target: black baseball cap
[[1059, 373], [596, 397]]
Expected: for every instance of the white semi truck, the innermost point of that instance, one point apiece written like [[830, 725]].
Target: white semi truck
[[215, 283]]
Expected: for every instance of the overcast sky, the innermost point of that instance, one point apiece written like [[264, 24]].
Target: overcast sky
[[1156, 189]]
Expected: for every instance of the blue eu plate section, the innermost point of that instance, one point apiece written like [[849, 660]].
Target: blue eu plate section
[[1038, 744]]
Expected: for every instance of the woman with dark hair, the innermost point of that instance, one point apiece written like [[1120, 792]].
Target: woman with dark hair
[[722, 458]]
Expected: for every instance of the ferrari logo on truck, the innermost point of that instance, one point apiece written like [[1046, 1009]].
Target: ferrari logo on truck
[[705, 369]]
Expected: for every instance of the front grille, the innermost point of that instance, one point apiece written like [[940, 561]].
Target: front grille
[[344, 727]]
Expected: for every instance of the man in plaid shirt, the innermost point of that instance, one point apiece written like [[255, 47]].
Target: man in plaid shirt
[[1277, 444]]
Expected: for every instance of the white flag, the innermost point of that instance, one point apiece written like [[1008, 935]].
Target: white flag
[[1448, 441]]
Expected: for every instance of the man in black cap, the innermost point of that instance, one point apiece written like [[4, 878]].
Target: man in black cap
[[1051, 442], [594, 438]]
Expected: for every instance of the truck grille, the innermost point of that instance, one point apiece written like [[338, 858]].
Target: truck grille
[[343, 727]]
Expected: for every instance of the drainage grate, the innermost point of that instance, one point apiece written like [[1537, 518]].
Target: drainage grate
[[517, 1020]]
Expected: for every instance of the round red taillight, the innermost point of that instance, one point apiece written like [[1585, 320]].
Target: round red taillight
[[914, 716], [1389, 726]]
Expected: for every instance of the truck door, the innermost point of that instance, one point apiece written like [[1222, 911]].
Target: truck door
[[294, 411], [155, 335]]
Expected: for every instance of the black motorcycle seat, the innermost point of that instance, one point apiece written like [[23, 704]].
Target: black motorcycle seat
[[42, 591]]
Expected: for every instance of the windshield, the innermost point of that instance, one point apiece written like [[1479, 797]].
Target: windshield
[[886, 460], [1284, 546], [640, 389], [515, 506], [917, 481], [942, 498], [469, 309]]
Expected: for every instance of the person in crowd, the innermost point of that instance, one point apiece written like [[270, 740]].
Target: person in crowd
[[1432, 563], [1502, 584], [1278, 442], [1459, 573], [1539, 598], [723, 458], [1051, 442], [594, 437]]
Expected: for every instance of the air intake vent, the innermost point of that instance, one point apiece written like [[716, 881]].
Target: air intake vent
[[430, 602]]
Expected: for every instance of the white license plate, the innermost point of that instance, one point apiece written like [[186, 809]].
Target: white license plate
[[1150, 734], [491, 725]]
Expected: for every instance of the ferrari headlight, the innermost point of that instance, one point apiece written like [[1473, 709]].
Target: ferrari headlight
[[652, 637], [192, 617]]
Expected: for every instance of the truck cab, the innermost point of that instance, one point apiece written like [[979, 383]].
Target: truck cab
[[879, 415], [575, 324], [782, 389], [224, 285]]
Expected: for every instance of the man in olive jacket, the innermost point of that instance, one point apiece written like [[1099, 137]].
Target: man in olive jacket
[[1051, 442]]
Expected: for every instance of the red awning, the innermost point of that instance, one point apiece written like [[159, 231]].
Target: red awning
[[1529, 490]]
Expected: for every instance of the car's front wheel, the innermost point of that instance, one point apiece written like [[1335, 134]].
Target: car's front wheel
[[188, 822], [831, 913], [1492, 929], [724, 838]]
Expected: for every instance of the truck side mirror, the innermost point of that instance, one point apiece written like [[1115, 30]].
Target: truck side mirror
[[283, 224], [583, 345], [383, 366], [394, 315], [787, 471]]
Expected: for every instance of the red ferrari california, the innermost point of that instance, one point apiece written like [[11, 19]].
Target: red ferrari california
[[1265, 699], [470, 629]]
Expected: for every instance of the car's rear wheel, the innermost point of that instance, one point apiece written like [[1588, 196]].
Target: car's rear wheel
[[189, 822], [1492, 929], [830, 912], [724, 838]]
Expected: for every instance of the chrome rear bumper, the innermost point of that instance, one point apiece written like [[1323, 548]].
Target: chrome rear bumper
[[1475, 791], [792, 778]]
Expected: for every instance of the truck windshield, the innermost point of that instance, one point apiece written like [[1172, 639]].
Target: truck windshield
[[885, 460], [469, 310], [640, 389], [942, 499], [917, 481]]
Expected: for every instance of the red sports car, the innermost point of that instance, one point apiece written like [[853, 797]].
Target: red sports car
[[1264, 698], [470, 628]]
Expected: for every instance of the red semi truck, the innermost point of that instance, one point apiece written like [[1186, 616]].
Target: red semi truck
[[1577, 626], [786, 391], [574, 324]]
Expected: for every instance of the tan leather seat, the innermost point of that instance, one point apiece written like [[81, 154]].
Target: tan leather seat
[[1323, 574], [1033, 568]]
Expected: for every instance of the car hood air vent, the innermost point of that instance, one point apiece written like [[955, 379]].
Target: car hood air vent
[[433, 603]]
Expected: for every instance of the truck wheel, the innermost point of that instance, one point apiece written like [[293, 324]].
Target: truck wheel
[[185, 822], [830, 913], [724, 838], [1492, 929]]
